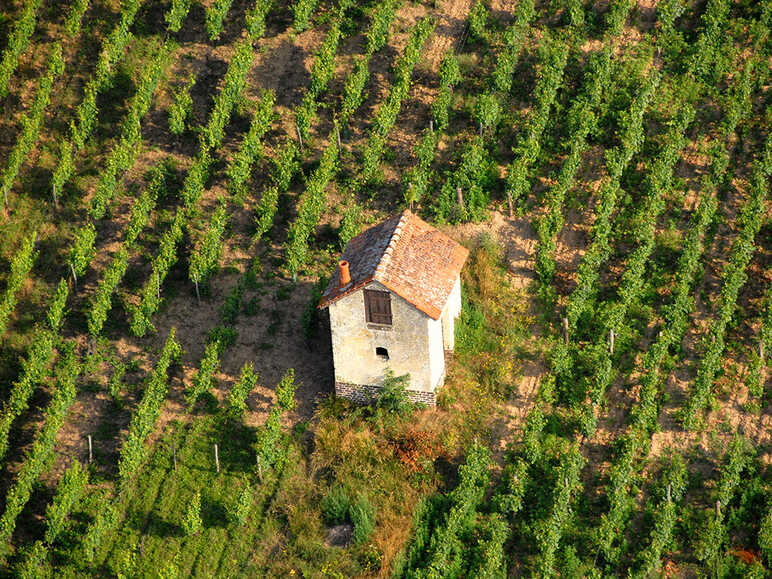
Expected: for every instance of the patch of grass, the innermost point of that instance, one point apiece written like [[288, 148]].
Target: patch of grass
[[335, 506]]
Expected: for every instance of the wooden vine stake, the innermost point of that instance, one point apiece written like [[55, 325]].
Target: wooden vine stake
[[668, 491], [565, 330], [216, 458], [74, 276], [300, 137], [174, 454], [198, 295], [431, 125], [90, 450], [611, 342], [259, 468], [460, 197]]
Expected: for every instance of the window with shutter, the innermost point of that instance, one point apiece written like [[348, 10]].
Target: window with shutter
[[378, 307]]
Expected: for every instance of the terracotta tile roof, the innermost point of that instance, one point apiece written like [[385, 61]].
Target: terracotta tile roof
[[406, 255]]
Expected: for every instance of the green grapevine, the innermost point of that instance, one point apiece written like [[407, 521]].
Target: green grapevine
[[18, 42], [21, 264]]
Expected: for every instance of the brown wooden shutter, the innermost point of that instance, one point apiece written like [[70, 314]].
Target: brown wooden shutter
[[378, 307]]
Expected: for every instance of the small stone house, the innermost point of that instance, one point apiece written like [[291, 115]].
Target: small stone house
[[393, 302]]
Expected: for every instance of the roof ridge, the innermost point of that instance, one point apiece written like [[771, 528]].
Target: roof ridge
[[395, 236]]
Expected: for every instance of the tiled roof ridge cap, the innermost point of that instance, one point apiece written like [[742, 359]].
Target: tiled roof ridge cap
[[386, 258]]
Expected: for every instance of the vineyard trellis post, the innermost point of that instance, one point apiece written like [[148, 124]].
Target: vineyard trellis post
[[300, 136], [611, 341], [74, 277], [198, 295], [90, 450], [216, 458], [174, 454], [565, 330], [460, 198], [431, 126]]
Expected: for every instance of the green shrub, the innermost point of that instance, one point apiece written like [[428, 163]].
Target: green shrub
[[335, 506], [393, 396], [338, 508], [471, 334], [181, 107], [243, 505], [285, 391], [191, 522], [237, 397], [362, 515], [226, 336], [478, 21], [115, 383]]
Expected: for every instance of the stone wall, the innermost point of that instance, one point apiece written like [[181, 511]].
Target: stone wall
[[365, 394], [413, 341], [449, 315]]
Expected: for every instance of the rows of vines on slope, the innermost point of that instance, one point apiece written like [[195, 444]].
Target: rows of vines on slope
[[528, 146], [418, 177], [193, 187], [133, 451], [582, 119], [80, 255], [286, 163], [733, 278], [551, 528], [101, 302], [322, 71], [42, 351], [38, 457], [313, 200], [33, 118], [125, 152], [386, 115], [644, 411], [69, 490], [111, 52], [18, 42]]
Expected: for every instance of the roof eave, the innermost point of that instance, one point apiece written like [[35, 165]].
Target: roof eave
[[326, 301]]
